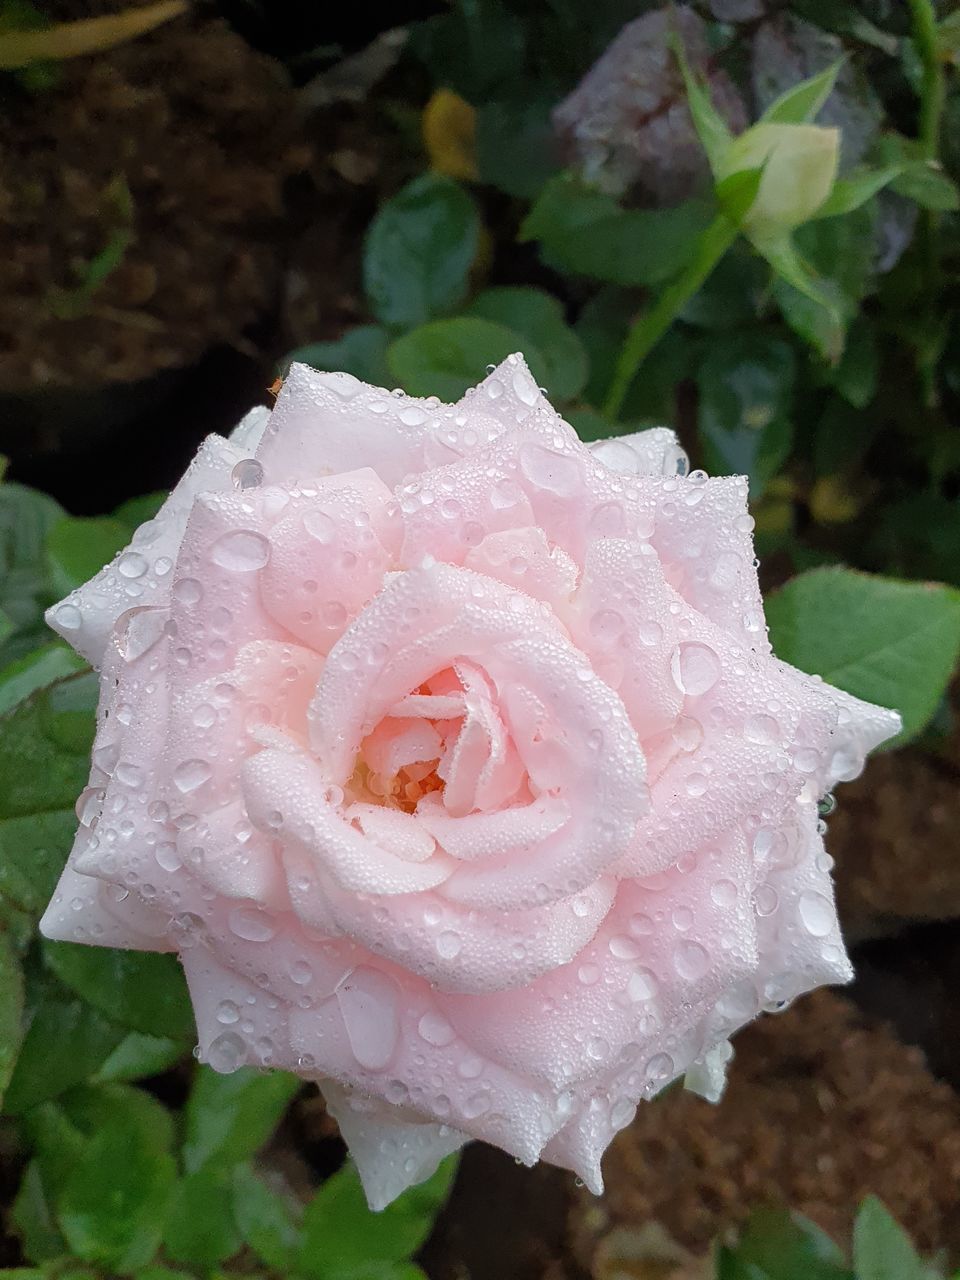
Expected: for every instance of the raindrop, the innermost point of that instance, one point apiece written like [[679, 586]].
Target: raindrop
[[68, 617], [766, 900], [132, 565], [724, 893], [227, 1053], [252, 924], [763, 730], [817, 913], [227, 1013], [436, 1030], [623, 948], [300, 973], [369, 1005], [241, 551], [622, 1113], [449, 944], [695, 668], [643, 985], [247, 474], [320, 526], [138, 630], [690, 960], [190, 775], [660, 1067], [187, 591]]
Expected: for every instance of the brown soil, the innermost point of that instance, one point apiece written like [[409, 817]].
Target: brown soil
[[895, 836], [823, 1107], [203, 133]]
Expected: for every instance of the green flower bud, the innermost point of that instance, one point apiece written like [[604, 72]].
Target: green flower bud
[[799, 167]]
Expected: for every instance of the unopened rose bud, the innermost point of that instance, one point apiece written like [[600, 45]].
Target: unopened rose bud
[[799, 163]]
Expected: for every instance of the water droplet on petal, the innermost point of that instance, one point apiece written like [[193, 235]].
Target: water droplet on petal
[[190, 775], [132, 565], [449, 944], [320, 526], [690, 960], [643, 985], [247, 474], [68, 617], [370, 1006], [436, 1030], [227, 1053], [241, 551], [252, 924], [695, 668], [817, 913]]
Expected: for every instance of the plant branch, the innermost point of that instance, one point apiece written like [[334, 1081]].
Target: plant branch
[[933, 88], [650, 327]]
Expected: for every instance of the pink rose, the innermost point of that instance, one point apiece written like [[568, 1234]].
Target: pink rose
[[451, 755]]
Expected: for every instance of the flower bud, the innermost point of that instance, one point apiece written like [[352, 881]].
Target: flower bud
[[799, 166]]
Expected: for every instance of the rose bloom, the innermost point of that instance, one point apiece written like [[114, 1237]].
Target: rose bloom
[[451, 756]]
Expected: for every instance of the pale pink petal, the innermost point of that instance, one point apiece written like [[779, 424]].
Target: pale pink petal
[[391, 1152], [459, 950], [392, 829], [523, 558], [141, 575], [655, 452], [491, 835], [286, 796]]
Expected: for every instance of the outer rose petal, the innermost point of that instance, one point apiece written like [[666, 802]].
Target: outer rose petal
[[390, 1153], [141, 574]]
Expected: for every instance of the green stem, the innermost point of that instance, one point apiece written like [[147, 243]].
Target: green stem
[[647, 331], [933, 88], [933, 93]]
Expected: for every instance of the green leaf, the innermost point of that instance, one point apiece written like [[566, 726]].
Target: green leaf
[[36, 670], [114, 1203], [855, 377], [882, 1250], [269, 1221], [445, 357], [811, 305], [32, 1217], [710, 125], [11, 1010], [138, 1055], [891, 642], [920, 179], [228, 1118], [143, 990], [856, 189], [778, 1245], [538, 317], [44, 763], [137, 511], [79, 547], [419, 251], [361, 351], [341, 1236], [516, 146], [25, 589], [801, 104], [746, 387], [57, 1018], [587, 233], [201, 1230]]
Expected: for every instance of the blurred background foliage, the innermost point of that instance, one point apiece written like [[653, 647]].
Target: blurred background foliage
[[484, 176]]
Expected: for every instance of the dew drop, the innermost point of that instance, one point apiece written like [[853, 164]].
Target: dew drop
[[436, 1030], [301, 973], [690, 960], [252, 924], [370, 1007], [187, 591], [551, 471], [241, 551], [138, 630], [190, 775], [132, 565], [643, 985], [623, 948], [68, 617], [817, 913], [660, 1067], [226, 1053], [766, 900], [227, 1013], [724, 893], [320, 526], [449, 944], [622, 1113], [695, 668], [763, 730], [247, 474]]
